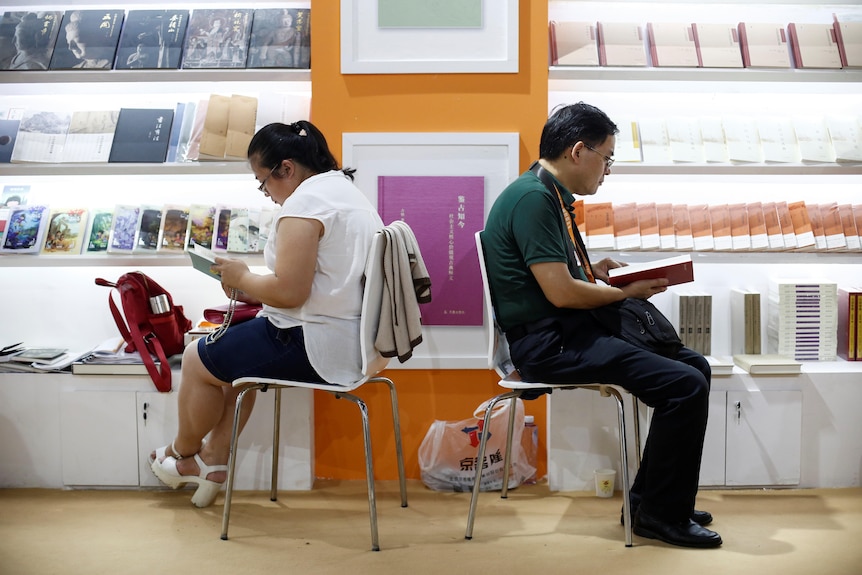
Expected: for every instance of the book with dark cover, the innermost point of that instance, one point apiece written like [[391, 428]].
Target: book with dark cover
[[217, 38], [88, 39], [280, 38], [677, 270], [31, 36], [142, 135], [152, 39], [148, 228]]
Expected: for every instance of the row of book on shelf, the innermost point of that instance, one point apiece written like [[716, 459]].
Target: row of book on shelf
[[707, 45], [806, 320], [125, 229], [219, 127], [108, 358], [753, 226], [740, 139], [108, 39]]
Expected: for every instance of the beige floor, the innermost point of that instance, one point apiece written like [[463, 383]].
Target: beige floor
[[787, 532]]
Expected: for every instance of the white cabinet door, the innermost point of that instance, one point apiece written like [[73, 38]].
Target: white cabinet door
[[712, 467], [99, 438], [764, 430], [156, 415]]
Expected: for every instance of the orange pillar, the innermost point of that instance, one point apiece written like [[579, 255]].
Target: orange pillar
[[419, 103]]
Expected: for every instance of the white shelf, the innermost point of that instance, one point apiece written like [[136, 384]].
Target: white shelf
[[111, 260], [150, 76], [740, 169], [112, 169]]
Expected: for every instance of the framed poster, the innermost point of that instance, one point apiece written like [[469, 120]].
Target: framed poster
[[442, 185], [418, 37]]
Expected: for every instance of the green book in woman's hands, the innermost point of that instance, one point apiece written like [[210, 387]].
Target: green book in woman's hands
[[203, 259]]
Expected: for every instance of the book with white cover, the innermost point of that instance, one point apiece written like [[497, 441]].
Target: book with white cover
[[686, 141], [672, 44], [628, 143], [282, 107], [814, 45], [767, 364], [778, 139], [846, 135], [743, 141], [573, 43], [41, 136], [714, 142], [849, 36], [764, 45], [621, 44], [721, 365], [812, 134], [655, 141], [90, 136], [717, 45]]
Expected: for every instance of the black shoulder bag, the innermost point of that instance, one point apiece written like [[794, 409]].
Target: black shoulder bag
[[634, 320]]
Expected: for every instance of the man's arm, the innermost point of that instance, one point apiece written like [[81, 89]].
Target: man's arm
[[564, 291]]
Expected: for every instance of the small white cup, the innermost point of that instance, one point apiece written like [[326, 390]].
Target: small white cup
[[605, 482]]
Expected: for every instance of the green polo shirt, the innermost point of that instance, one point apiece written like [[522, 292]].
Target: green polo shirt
[[524, 227]]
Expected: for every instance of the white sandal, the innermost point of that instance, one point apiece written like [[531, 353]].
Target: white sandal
[[166, 471], [161, 452]]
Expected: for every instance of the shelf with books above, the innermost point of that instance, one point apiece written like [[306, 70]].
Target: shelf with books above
[[96, 169], [112, 260], [149, 76]]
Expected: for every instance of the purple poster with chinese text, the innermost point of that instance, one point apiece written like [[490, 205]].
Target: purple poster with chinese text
[[444, 213]]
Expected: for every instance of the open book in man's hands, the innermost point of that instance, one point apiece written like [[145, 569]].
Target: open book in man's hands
[[677, 270], [203, 259]]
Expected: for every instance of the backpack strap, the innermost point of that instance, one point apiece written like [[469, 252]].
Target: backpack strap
[[136, 341]]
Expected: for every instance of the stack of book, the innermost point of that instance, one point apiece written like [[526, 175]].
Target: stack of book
[[803, 319], [850, 323], [692, 316]]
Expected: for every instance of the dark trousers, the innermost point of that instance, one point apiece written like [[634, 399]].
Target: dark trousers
[[576, 349]]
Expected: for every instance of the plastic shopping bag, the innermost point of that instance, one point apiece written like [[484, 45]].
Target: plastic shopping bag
[[447, 455]]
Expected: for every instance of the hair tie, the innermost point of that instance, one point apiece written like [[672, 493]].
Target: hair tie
[[298, 130]]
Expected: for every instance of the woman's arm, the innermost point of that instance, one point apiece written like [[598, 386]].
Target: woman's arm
[[296, 260]]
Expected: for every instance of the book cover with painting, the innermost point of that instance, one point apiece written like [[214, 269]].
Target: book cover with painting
[[444, 213], [280, 38], [201, 225], [66, 231], [152, 39], [31, 36], [217, 38], [173, 235], [124, 229], [88, 39], [99, 230], [41, 136], [90, 136], [24, 229], [222, 229]]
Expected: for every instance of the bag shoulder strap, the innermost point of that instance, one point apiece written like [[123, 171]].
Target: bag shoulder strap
[[141, 343], [582, 259]]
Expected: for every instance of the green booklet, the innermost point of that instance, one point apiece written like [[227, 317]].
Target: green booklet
[[203, 259]]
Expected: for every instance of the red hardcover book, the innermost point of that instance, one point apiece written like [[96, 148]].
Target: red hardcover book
[[677, 270]]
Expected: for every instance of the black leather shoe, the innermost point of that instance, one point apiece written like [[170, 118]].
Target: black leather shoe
[[700, 517], [684, 534]]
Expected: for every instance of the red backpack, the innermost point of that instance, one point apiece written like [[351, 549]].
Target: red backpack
[[149, 323]]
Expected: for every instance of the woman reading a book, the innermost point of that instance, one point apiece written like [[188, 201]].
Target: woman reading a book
[[545, 293], [308, 329]]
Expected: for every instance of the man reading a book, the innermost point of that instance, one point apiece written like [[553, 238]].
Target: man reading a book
[[543, 289]]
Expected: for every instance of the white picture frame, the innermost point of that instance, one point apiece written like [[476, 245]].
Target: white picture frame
[[368, 49], [493, 155]]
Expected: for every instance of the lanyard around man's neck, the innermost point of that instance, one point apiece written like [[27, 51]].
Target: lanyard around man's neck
[[574, 234]]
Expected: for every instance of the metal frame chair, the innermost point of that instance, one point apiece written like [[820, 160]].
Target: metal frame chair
[[372, 364], [500, 361]]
